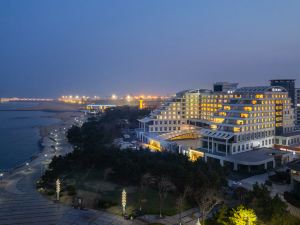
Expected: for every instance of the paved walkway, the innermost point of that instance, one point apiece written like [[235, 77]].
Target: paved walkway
[[21, 204]]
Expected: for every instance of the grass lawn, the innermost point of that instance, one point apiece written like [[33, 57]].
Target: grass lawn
[[93, 189], [150, 202]]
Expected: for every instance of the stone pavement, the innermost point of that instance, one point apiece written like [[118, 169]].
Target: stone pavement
[[21, 204], [188, 217], [91, 217]]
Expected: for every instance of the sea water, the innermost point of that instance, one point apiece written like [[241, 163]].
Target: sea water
[[19, 133]]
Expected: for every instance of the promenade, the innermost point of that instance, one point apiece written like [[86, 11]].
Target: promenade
[[21, 204]]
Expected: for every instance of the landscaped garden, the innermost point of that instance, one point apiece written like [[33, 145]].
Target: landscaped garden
[[160, 183]]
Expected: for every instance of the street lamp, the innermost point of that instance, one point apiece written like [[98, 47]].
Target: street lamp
[[1, 176], [57, 189], [198, 222], [27, 165], [43, 164], [124, 198]]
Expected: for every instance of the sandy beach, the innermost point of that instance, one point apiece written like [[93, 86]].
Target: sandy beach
[[65, 120]]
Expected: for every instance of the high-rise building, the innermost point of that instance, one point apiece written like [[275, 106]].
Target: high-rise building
[[252, 117], [173, 113], [186, 108], [224, 86], [289, 85], [298, 107], [250, 120]]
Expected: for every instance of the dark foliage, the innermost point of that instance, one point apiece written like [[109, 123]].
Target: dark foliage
[[96, 153]]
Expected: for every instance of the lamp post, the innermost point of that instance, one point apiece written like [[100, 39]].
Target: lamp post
[[43, 164], [198, 222], [27, 165], [124, 198], [57, 189], [1, 176]]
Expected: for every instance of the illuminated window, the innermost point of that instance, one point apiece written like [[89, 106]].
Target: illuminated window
[[236, 129], [213, 127], [218, 120], [222, 113], [244, 115], [227, 107], [259, 96], [248, 108], [240, 122]]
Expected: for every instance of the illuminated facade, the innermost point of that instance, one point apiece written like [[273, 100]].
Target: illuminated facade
[[97, 108], [173, 114], [250, 119], [289, 85], [298, 107], [211, 102], [184, 110]]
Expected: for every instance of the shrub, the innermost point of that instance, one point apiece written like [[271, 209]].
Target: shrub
[[105, 204], [50, 192], [71, 190]]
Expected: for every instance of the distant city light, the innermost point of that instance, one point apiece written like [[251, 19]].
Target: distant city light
[[128, 98], [114, 97]]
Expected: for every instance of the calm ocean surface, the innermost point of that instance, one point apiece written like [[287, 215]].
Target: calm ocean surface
[[19, 133]]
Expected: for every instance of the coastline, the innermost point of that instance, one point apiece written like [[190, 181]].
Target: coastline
[[54, 106], [65, 119]]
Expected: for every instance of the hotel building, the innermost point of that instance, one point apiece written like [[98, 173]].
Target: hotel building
[[289, 85], [186, 109], [298, 107], [173, 114], [250, 120]]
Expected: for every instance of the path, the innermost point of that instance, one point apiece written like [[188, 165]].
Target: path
[[21, 204]]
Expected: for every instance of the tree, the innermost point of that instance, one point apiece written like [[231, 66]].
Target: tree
[[279, 211], [243, 216], [164, 186], [145, 181], [107, 172], [181, 201], [205, 198], [222, 216]]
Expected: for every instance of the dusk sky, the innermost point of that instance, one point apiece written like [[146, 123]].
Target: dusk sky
[[57, 47]]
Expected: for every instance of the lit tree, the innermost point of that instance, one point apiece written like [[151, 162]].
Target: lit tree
[[243, 216]]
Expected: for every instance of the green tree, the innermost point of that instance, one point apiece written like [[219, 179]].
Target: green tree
[[222, 216], [243, 216]]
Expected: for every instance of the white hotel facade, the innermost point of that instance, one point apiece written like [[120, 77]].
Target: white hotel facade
[[197, 105], [238, 126], [251, 119]]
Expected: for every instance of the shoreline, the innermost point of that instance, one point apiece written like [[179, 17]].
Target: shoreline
[[64, 119]]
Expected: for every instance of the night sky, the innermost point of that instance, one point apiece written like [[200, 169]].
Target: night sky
[[50, 48]]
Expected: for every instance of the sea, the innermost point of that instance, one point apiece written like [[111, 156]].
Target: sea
[[19, 133]]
